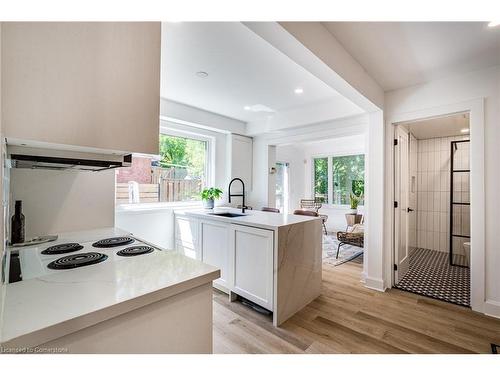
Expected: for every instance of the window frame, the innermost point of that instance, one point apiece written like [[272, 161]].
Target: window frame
[[169, 128], [329, 157], [210, 151]]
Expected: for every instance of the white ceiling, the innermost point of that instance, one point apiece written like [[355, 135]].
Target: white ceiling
[[243, 70], [448, 126], [401, 54]]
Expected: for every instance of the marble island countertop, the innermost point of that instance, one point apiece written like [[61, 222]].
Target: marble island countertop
[[261, 219], [41, 309]]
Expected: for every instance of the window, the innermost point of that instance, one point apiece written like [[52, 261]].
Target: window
[[179, 175], [335, 177], [321, 179]]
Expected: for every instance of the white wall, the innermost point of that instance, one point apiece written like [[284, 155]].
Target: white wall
[[60, 201], [474, 85], [154, 225]]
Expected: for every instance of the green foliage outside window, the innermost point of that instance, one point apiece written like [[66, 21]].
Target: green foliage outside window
[[348, 177], [321, 179], [186, 155]]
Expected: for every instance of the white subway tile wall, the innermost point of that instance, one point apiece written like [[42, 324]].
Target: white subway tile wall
[[412, 219], [433, 192]]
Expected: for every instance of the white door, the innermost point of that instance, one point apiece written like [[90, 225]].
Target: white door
[[215, 250], [253, 264], [282, 186], [401, 185]]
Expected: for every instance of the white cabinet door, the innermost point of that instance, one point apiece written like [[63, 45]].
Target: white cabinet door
[[89, 84], [253, 264], [215, 250], [241, 161], [187, 236], [186, 230]]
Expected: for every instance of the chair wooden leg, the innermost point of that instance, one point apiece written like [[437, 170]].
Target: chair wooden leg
[[324, 227], [338, 249]]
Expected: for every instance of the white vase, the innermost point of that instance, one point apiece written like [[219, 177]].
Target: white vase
[[208, 204]]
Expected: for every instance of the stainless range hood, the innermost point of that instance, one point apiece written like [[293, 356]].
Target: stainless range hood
[[58, 163], [61, 157]]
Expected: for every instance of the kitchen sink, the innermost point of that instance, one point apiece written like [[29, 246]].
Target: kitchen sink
[[227, 214]]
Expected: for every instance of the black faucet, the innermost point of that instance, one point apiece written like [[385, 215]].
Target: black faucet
[[238, 195]]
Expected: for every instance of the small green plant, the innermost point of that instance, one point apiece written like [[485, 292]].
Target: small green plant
[[355, 199], [211, 194]]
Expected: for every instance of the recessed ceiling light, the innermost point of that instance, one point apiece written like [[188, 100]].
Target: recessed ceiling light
[[202, 74], [258, 108], [494, 23], [298, 90], [464, 130]]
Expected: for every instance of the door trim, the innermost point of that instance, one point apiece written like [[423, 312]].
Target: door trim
[[397, 218], [476, 110]]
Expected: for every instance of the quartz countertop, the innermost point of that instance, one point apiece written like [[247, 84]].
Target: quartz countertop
[[41, 309], [261, 219]]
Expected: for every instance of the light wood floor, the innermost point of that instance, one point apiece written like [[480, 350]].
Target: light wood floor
[[349, 318]]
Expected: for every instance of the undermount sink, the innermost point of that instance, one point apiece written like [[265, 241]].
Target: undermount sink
[[227, 214]]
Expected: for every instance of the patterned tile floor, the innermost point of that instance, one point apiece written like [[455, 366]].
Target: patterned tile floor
[[431, 275]]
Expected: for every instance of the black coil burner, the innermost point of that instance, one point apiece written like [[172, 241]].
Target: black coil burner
[[135, 250], [62, 248], [77, 260], [113, 242]]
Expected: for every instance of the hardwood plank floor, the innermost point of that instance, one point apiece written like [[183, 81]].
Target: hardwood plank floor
[[349, 318]]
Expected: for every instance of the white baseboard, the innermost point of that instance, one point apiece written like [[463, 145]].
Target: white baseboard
[[374, 283], [363, 277], [492, 308]]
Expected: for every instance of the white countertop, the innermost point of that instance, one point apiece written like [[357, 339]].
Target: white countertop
[[51, 305], [261, 219]]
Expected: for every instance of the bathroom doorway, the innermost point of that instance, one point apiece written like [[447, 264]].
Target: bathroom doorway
[[432, 208]]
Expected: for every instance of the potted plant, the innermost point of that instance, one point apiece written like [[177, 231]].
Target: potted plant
[[354, 199], [208, 196]]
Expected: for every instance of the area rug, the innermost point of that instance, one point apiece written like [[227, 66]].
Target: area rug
[[346, 253]]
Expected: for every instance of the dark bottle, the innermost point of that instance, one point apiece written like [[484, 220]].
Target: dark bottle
[[17, 226]]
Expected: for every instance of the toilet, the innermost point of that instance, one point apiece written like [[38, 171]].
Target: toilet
[[466, 247]]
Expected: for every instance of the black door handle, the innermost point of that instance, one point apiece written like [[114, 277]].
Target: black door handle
[[409, 209]]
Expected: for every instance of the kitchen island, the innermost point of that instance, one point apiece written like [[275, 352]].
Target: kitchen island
[[271, 259], [159, 302]]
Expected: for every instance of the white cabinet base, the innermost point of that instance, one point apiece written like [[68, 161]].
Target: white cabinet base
[[179, 324], [253, 253]]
